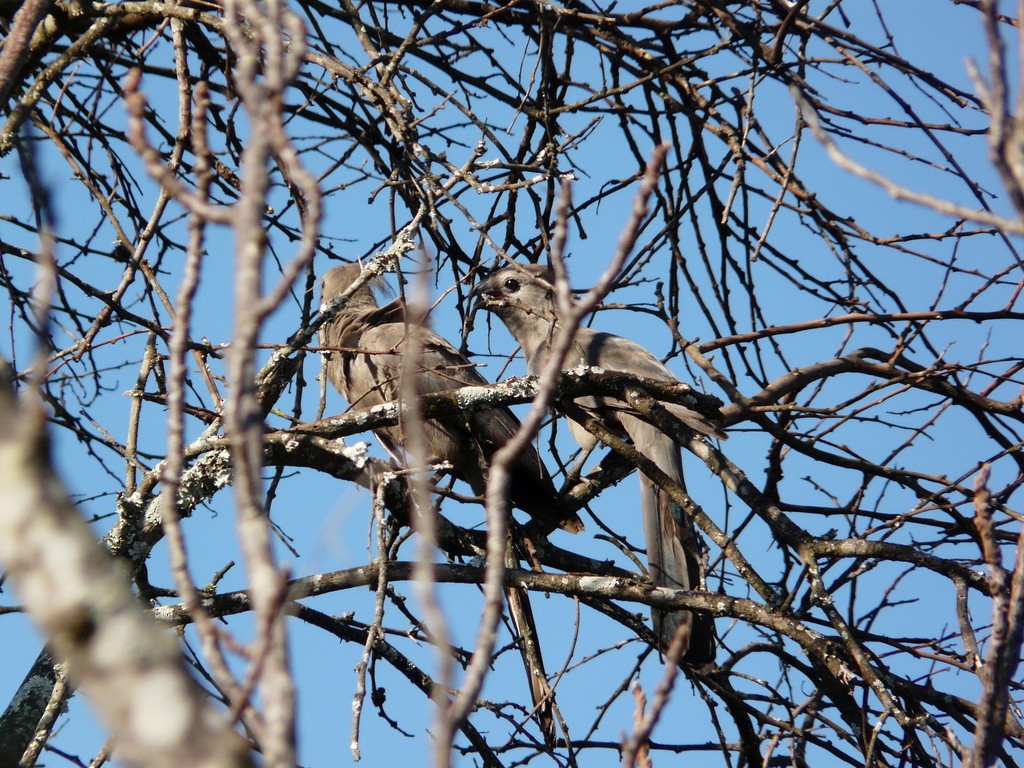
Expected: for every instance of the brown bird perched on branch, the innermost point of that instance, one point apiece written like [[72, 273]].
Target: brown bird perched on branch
[[522, 297], [365, 363], [366, 353]]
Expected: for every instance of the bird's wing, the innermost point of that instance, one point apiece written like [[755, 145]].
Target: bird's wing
[[615, 353], [372, 375]]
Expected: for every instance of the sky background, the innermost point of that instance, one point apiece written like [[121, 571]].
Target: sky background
[[328, 522]]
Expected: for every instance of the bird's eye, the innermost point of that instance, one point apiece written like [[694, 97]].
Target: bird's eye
[[511, 284]]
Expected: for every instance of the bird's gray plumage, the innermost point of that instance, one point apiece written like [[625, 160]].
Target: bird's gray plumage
[[522, 297]]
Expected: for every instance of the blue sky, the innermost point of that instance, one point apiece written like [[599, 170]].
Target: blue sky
[[329, 522]]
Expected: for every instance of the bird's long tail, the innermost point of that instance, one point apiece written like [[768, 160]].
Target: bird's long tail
[[540, 690], [673, 556]]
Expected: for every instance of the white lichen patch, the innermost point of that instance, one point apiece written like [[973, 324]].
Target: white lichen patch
[[598, 583], [383, 410], [582, 370], [357, 453], [469, 396], [523, 386], [214, 471]]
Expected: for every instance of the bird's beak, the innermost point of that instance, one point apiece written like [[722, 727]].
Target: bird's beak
[[484, 296], [477, 304]]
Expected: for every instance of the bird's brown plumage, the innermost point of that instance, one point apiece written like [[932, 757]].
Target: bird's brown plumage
[[366, 370], [367, 345]]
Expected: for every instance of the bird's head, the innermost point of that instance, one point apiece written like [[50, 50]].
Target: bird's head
[[339, 279], [520, 288]]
